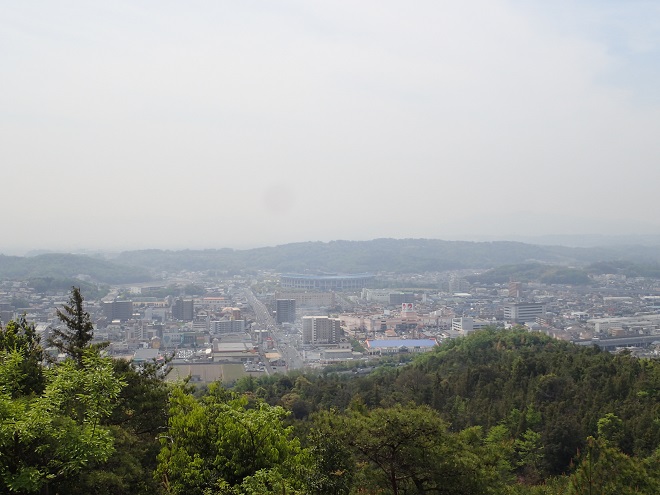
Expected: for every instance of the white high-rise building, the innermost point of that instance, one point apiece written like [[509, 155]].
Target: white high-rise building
[[321, 330], [523, 312]]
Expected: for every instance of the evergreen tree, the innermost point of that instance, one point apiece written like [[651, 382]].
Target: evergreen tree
[[604, 470], [79, 330]]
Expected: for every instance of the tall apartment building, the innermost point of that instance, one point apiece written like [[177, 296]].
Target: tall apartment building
[[227, 326], [285, 310], [118, 310], [321, 330], [523, 312], [183, 310]]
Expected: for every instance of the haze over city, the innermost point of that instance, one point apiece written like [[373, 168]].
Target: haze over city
[[238, 124]]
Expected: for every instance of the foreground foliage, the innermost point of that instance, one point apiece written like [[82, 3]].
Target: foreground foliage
[[221, 443], [500, 412], [50, 437]]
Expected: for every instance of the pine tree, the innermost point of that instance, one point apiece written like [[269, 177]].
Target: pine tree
[[79, 331]]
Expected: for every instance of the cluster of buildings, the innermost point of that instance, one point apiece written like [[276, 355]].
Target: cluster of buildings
[[314, 320], [614, 313]]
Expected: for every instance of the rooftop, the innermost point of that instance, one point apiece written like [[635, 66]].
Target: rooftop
[[402, 343]]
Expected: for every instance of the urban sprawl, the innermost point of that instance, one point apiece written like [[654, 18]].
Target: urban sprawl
[[267, 323]]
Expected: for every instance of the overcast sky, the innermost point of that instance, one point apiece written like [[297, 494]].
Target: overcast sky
[[204, 124]]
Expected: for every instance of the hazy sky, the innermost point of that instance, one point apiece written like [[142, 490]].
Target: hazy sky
[[246, 123]]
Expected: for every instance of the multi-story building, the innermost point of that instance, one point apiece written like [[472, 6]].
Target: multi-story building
[[214, 303], [227, 326], [321, 330], [118, 310], [376, 295], [309, 299], [285, 310], [515, 289], [183, 310], [466, 325], [523, 312]]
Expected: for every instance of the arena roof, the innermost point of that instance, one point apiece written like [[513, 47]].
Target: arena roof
[[327, 277]]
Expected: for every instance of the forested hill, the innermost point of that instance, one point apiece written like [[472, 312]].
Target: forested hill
[[396, 255], [67, 266], [527, 385]]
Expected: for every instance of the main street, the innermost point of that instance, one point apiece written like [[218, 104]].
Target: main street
[[285, 344]]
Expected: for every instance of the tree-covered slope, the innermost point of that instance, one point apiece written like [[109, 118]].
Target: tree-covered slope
[[66, 266], [515, 379]]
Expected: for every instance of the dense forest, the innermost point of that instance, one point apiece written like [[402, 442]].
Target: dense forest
[[497, 412]]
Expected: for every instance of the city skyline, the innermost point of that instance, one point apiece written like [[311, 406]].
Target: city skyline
[[217, 124]]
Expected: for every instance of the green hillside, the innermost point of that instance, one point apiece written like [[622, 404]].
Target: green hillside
[[66, 266], [513, 379]]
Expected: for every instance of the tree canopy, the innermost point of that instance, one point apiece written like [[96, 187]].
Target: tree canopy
[[508, 412]]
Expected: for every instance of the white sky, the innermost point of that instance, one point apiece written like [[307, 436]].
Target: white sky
[[193, 124]]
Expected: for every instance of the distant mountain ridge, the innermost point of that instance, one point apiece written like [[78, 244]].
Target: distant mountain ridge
[[394, 255], [389, 255]]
